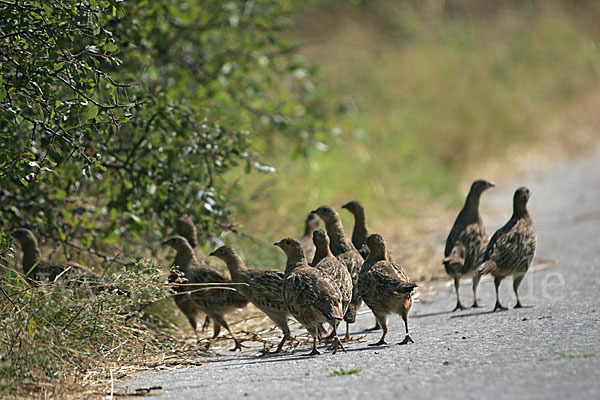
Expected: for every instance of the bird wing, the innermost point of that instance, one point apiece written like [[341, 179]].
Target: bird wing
[[309, 287], [513, 245], [385, 278], [266, 288]]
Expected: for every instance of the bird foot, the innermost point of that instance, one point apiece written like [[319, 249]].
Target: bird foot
[[346, 339], [314, 352], [499, 307], [238, 346], [477, 305], [337, 344], [407, 340], [458, 307], [380, 343], [519, 305], [267, 352]]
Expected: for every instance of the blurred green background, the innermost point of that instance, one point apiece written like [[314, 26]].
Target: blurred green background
[[432, 92]]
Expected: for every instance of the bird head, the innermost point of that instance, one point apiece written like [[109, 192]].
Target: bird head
[[320, 238], [376, 245], [353, 206], [521, 196], [176, 242], [184, 226], [481, 185], [326, 213], [289, 245], [24, 236], [311, 222], [223, 252]]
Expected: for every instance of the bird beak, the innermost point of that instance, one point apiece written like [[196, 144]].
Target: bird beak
[[313, 212], [212, 253], [164, 242], [345, 205], [492, 184], [278, 243]]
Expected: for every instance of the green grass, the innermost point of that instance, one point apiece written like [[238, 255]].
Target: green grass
[[570, 356], [342, 371]]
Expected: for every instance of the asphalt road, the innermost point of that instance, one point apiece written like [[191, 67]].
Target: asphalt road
[[549, 351]]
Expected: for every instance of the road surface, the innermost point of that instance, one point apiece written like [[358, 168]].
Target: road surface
[[549, 351]]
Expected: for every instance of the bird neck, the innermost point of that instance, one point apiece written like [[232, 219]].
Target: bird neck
[[235, 264], [321, 251], [192, 240], [308, 229], [471, 207], [376, 254], [32, 255], [520, 210], [339, 241], [294, 260], [360, 226], [185, 256]]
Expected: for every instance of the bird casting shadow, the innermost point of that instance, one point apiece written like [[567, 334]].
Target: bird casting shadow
[[476, 314], [433, 314]]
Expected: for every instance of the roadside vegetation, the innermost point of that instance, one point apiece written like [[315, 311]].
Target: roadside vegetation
[[114, 123]]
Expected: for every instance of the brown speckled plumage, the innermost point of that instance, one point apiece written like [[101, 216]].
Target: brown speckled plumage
[[309, 294], [344, 250], [213, 302], [384, 287], [512, 248], [334, 268], [35, 268], [264, 288], [466, 242], [310, 225]]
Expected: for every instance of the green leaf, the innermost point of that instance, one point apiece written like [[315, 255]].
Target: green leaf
[[59, 194], [111, 238], [92, 112]]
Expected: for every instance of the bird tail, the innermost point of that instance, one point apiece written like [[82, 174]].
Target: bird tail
[[404, 289], [456, 256], [487, 267]]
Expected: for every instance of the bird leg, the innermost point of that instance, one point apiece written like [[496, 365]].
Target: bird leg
[[498, 306], [337, 344], [219, 321], [206, 323], [314, 351], [347, 337], [216, 329], [329, 337], [476, 279], [516, 282], [336, 341], [382, 321], [407, 338], [459, 306], [280, 345]]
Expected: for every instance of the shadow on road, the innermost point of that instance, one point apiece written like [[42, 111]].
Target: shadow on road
[[433, 314], [286, 357]]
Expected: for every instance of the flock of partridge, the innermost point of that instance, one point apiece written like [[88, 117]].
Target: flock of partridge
[[327, 276]]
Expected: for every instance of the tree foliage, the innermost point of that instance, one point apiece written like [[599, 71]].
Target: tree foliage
[[118, 116]]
